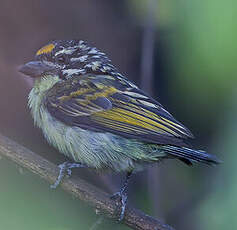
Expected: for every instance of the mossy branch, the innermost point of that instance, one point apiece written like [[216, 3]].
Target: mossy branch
[[79, 188]]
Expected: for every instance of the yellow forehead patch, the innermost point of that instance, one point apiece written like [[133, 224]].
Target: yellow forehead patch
[[46, 49]]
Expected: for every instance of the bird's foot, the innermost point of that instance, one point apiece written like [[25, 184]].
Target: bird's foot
[[65, 168], [122, 196]]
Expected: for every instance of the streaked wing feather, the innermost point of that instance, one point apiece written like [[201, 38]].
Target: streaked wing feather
[[105, 104]]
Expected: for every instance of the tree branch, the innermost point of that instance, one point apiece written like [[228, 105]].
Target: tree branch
[[88, 193]]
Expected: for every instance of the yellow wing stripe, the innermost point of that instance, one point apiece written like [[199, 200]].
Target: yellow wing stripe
[[141, 118], [130, 118], [114, 125], [109, 90], [171, 122], [75, 94], [91, 94], [154, 116], [163, 121]]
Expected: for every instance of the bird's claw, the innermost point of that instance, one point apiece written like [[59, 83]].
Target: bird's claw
[[69, 172], [116, 195], [123, 198], [65, 167]]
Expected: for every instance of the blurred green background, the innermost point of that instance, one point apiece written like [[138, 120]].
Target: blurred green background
[[194, 77]]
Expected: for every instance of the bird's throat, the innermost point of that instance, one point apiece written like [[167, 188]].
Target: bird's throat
[[45, 83], [37, 94]]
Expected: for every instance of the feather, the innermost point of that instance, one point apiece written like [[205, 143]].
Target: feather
[[190, 155], [104, 103]]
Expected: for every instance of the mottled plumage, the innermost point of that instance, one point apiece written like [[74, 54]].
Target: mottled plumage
[[96, 116]]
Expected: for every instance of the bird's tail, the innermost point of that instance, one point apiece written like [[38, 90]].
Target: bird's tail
[[190, 155]]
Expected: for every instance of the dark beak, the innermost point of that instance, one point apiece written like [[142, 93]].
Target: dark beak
[[36, 69]]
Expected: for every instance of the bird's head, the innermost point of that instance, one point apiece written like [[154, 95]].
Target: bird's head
[[66, 58]]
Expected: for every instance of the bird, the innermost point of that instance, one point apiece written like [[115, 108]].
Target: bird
[[98, 118]]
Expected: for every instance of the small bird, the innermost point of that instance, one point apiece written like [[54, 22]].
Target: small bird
[[98, 118]]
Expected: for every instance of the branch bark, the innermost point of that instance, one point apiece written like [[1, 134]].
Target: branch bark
[[79, 188]]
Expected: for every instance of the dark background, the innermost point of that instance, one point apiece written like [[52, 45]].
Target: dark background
[[190, 46]]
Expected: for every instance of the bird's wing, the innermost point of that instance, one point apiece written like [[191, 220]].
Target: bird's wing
[[103, 103]]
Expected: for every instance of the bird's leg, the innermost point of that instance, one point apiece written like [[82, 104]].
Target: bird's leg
[[122, 195], [65, 168]]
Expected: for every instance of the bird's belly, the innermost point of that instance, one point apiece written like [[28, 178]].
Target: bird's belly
[[94, 149]]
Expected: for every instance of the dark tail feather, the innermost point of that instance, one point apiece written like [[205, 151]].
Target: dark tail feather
[[190, 155]]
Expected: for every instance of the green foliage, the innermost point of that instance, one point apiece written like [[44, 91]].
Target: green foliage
[[203, 53]]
